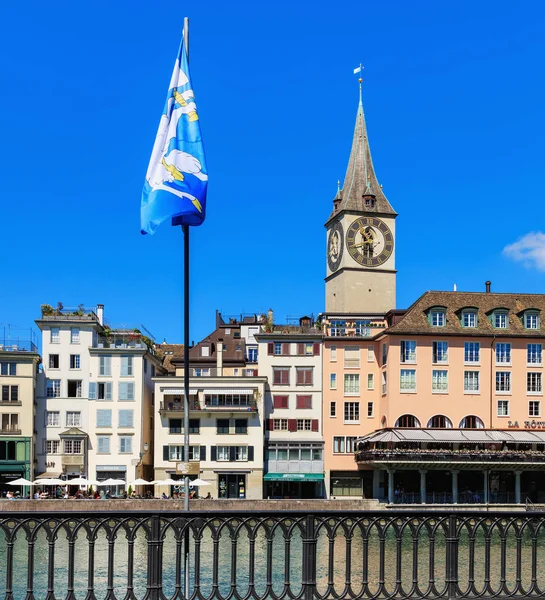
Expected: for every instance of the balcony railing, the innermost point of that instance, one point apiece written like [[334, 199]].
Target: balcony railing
[[195, 406], [17, 345], [461, 456], [10, 429], [66, 312]]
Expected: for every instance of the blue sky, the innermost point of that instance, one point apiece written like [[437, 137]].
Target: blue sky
[[454, 97]]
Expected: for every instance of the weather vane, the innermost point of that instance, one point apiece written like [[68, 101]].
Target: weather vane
[[359, 70]]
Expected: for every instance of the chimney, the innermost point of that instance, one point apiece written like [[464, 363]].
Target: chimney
[[219, 357], [488, 284], [100, 313], [455, 288]]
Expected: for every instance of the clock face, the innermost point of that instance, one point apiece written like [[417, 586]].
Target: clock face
[[335, 245], [369, 241]]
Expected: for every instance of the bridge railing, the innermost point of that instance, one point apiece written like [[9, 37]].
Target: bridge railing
[[250, 555]]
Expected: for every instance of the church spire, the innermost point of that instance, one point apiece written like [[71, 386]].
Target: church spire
[[361, 191]]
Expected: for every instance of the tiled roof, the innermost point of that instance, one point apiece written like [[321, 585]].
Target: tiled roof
[[415, 320], [167, 352], [360, 178]]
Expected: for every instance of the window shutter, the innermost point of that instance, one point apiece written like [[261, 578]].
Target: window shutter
[[285, 349], [108, 391], [232, 453], [300, 376], [300, 349], [284, 402], [270, 348], [130, 391], [213, 453], [314, 424], [250, 453], [165, 453], [92, 390], [270, 424], [203, 453], [292, 424], [316, 349]]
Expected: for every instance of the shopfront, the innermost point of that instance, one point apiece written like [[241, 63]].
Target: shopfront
[[294, 485], [232, 485]]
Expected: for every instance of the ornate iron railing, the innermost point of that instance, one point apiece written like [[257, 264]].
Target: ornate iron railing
[[248, 555]]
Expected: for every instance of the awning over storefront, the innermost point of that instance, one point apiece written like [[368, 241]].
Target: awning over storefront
[[242, 392], [177, 392], [454, 436], [294, 477]]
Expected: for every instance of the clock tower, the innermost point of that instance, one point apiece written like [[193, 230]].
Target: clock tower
[[360, 251]]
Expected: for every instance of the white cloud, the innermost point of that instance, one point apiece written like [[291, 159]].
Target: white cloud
[[530, 250]]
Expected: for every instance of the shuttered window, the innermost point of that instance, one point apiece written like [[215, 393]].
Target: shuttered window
[[304, 402]]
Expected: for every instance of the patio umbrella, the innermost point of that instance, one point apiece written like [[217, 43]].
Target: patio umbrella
[[111, 482], [51, 481], [81, 481], [20, 481], [198, 482], [140, 482], [165, 482]]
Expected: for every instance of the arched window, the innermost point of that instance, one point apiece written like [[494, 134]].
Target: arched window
[[439, 422], [471, 422], [407, 421]]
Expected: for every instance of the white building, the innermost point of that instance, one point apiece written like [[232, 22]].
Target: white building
[[290, 358]]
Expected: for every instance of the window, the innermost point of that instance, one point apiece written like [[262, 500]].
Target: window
[[8, 368], [333, 354], [352, 357], [175, 425], [370, 354], [202, 372], [105, 391], [75, 388], [439, 382], [241, 425], [503, 381], [439, 422], [384, 354], [337, 328], [222, 426], [105, 365], [205, 351], [304, 375], [351, 384], [384, 381], [346, 486], [72, 446], [10, 393], [338, 444], [252, 355], [472, 352], [73, 419], [407, 421], [278, 348], [304, 424], [534, 408], [533, 383], [104, 418], [503, 353], [194, 453], [471, 381], [281, 376], [280, 401], [370, 409], [503, 408], [370, 381], [531, 320], [126, 390], [440, 352], [280, 424], [52, 446], [362, 328], [471, 422], [351, 412], [75, 361], [438, 317], [407, 351], [74, 335], [125, 444], [126, 366], [305, 349], [222, 453], [469, 318], [103, 444], [175, 453], [332, 409], [350, 444], [500, 319], [534, 354], [53, 388], [303, 402], [194, 426], [52, 418], [407, 380], [333, 381], [55, 335], [53, 362], [126, 418]]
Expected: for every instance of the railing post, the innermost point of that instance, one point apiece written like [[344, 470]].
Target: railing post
[[309, 557], [451, 578], [154, 559]]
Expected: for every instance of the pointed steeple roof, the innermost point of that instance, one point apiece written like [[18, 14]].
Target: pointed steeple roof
[[360, 179]]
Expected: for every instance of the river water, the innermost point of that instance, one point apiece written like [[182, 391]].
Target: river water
[[413, 551]]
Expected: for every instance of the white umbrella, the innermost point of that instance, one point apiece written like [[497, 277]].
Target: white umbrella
[[140, 482], [20, 481], [197, 482], [81, 481], [51, 481], [111, 482], [166, 482]]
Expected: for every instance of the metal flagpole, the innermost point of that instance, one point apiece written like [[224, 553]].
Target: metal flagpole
[[185, 231]]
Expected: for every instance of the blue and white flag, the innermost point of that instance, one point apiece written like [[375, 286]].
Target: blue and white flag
[[177, 177]]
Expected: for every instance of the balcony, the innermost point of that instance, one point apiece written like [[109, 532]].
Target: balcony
[[196, 406], [449, 456], [358, 329], [17, 345], [11, 403], [66, 313], [10, 430]]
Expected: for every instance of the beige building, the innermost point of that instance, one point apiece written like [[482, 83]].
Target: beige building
[[18, 371]]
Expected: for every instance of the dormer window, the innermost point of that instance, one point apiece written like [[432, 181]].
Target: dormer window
[[531, 319], [469, 318], [500, 319], [369, 202], [437, 317]]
